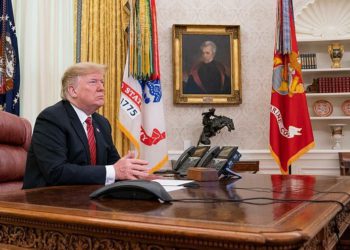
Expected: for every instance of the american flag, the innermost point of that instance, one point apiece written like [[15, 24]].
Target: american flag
[[9, 61]]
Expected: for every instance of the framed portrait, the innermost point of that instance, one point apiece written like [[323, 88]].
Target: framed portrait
[[206, 64]]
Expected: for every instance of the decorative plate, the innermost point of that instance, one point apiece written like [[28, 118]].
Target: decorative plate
[[323, 108], [346, 107]]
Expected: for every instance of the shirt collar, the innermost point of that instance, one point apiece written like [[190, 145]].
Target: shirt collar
[[81, 114]]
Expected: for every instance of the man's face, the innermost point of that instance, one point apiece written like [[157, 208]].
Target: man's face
[[207, 54], [89, 92]]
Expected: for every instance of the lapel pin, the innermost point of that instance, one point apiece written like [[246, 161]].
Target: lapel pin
[[97, 130]]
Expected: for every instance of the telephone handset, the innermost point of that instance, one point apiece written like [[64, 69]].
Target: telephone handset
[[209, 155], [225, 159], [189, 158], [183, 157], [233, 157]]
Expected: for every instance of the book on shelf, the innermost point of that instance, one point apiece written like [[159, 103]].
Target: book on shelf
[[333, 84], [308, 60]]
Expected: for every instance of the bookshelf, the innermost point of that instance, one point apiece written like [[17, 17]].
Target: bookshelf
[[334, 70], [335, 96]]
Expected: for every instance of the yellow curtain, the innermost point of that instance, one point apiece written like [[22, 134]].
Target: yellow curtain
[[101, 38]]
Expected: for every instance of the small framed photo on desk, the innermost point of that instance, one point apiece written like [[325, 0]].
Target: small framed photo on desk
[[206, 64]]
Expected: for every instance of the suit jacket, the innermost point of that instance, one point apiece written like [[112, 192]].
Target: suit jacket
[[59, 152]]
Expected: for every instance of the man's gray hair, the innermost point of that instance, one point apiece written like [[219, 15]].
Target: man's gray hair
[[209, 44], [79, 69]]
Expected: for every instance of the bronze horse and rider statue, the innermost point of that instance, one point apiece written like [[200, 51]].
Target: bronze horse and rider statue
[[212, 124]]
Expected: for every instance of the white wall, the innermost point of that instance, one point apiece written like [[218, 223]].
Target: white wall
[[256, 19]]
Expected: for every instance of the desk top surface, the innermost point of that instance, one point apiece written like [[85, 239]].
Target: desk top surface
[[223, 214]]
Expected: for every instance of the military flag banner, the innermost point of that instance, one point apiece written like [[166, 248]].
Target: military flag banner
[[141, 115], [290, 127], [9, 61]]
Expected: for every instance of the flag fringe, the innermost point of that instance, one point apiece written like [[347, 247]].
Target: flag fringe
[[292, 158], [160, 164], [132, 139]]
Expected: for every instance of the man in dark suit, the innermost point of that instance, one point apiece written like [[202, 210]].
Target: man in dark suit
[[66, 149]]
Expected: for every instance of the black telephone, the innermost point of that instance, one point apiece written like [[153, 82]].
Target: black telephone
[[224, 161], [189, 158], [209, 156]]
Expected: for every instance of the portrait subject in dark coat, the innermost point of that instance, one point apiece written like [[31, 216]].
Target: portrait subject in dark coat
[[61, 151], [209, 75]]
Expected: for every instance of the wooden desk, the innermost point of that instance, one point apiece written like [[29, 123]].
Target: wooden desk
[[65, 218]]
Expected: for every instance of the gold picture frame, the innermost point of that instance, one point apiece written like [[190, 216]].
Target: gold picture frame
[[206, 64]]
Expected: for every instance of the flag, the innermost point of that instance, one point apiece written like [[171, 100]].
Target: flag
[[9, 61], [141, 115], [290, 127]]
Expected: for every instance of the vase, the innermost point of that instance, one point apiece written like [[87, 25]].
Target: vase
[[337, 135], [336, 51]]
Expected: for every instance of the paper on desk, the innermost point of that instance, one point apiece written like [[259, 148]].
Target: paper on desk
[[167, 182], [173, 188], [172, 185]]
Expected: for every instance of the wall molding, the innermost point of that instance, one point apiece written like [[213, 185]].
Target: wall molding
[[315, 162]]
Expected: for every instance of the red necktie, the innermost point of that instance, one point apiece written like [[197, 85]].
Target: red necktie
[[91, 140]]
